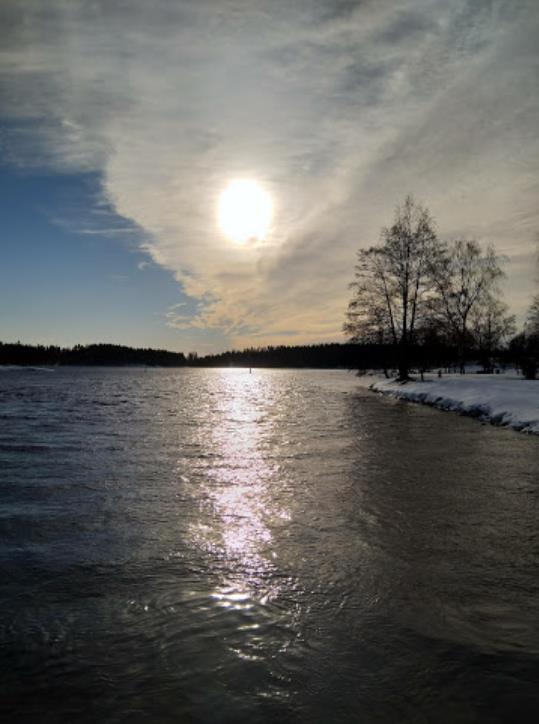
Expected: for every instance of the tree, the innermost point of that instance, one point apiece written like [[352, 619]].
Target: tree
[[524, 351], [491, 327], [464, 278], [532, 322], [532, 319], [392, 283], [525, 346]]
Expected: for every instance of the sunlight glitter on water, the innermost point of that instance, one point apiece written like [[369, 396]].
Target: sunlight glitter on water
[[237, 492]]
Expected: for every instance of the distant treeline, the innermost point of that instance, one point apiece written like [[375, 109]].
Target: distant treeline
[[333, 355], [92, 354]]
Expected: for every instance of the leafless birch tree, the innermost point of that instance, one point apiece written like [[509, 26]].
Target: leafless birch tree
[[465, 280], [392, 283]]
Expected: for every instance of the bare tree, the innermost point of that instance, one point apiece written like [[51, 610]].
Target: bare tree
[[525, 346], [392, 283], [464, 278], [491, 326], [532, 319]]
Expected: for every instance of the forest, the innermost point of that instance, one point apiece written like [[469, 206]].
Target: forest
[[87, 355]]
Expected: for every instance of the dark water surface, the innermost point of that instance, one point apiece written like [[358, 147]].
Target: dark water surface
[[212, 546]]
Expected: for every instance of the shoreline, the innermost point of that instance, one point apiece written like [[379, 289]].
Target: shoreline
[[504, 400]]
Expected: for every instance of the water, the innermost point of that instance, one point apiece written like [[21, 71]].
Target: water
[[214, 546]]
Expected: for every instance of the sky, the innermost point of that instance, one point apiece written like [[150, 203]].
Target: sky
[[121, 123]]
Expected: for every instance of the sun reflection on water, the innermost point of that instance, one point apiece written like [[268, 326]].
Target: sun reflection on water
[[240, 510]]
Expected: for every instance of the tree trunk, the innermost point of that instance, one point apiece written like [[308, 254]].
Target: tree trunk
[[404, 365]]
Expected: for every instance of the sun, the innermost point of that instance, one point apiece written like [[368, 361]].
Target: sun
[[245, 211]]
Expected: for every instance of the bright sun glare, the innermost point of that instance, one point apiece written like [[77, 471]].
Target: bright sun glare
[[245, 211]]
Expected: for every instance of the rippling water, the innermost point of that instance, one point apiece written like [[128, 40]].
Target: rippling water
[[219, 546]]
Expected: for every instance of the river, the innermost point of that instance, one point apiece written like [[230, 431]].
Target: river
[[214, 546]]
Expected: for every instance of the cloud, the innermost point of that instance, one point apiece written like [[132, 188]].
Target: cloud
[[338, 108]]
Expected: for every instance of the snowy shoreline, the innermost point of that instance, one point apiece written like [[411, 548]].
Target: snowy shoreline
[[506, 400]]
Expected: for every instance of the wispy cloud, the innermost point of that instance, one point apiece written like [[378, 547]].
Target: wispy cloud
[[338, 108]]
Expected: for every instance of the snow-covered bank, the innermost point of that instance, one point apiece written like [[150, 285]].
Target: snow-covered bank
[[506, 400]]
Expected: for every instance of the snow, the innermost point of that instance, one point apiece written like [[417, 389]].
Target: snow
[[505, 399]]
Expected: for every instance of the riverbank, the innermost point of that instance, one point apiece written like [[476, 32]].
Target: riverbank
[[506, 400]]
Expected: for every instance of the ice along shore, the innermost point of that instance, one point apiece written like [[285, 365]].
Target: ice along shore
[[506, 400]]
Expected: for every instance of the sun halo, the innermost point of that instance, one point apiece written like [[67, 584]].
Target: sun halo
[[245, 211]]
